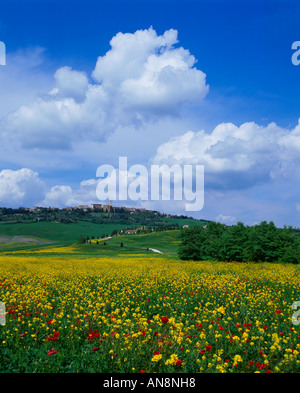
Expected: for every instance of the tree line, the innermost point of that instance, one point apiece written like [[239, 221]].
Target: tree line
[[241, 243]]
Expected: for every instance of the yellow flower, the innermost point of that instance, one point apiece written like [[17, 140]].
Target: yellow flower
[[173, 359], [156, 358], [221, 310], [237, 359]]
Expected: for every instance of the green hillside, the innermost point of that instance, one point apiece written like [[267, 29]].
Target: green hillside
[[58, 232], [46, 235], [50, 232], [135, 245], [141, 244], [45, 228]]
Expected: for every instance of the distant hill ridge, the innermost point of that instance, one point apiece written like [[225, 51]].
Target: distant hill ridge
[[98, 214]]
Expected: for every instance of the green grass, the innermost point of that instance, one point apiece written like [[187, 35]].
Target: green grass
[[164, 241], [57, 234], [134, 246], [54, 234]]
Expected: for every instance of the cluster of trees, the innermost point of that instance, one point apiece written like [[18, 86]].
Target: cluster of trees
[[83, 239], [263, 242], [22, 215]]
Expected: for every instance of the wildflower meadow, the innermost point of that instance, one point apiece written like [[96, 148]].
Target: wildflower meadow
[[145, 315]]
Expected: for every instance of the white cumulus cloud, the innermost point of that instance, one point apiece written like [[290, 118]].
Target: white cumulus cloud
[[225, 219], [22, 187], [236, 156], [143, 77], [149, 74], [70, 83], [64, 196]]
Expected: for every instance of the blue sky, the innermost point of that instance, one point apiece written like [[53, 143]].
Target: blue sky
[[234, 108]]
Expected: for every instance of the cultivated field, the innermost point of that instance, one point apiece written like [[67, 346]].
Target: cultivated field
[[145, 313]]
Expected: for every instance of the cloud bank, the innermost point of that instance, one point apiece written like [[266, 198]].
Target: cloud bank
[[143, 77], [236, 157], [133, 101], [22, 187]]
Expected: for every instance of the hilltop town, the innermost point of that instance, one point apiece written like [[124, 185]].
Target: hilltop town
[[130, 218], [94, 206]]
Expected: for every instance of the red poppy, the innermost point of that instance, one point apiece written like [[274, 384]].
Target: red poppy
[[95, 349], [52, 351], [178, 362], [164, 319], [208, 347], [54, 337], [93, 334]]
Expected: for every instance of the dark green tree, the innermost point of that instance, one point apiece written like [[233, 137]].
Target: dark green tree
[[210, 248], [191, 242], [81, 240], [233, 242]]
